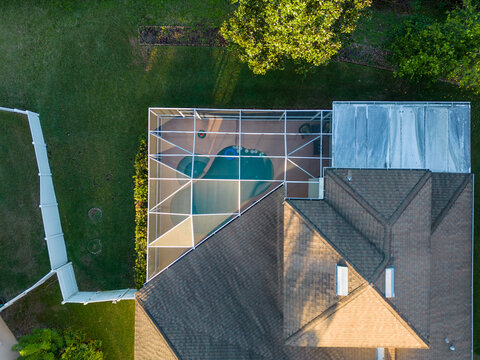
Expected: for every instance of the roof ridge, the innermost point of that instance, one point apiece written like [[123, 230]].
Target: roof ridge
[[315, 229], [158, 328], [409, 198], [389, 306], [451, 202], [347, 300], [331, 310], [357, 197]]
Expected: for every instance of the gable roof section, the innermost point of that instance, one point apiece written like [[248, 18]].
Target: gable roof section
[[344, 238], [383, 190], [363, 319], [222, 300], [309, 284]]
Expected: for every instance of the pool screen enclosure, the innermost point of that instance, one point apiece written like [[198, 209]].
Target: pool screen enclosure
[[208, 166]]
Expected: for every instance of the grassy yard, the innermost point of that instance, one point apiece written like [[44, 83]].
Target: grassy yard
[[79, 66], [113, 324]]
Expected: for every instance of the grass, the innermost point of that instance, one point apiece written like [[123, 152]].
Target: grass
[[78, 65], [22, 236], [112, 324], [375, 26]]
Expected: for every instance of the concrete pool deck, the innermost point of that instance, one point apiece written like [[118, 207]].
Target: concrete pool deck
[[7, 340]]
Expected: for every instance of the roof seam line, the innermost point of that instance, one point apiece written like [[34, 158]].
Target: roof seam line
[[450, 203]]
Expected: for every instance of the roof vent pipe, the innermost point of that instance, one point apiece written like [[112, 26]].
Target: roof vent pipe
[[349, 175]]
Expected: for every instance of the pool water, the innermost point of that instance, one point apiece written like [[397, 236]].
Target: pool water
[[221, 196]]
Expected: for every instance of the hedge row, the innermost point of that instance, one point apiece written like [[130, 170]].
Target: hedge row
[[141, 203]]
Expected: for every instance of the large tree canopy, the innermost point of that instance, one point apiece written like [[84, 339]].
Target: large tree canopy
[[266, 33]]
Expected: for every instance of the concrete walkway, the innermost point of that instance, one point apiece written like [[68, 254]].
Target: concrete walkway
[[7, 340]]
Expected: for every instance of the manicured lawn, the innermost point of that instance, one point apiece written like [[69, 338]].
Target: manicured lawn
[[111, 323], [80, 68], [22, 245]]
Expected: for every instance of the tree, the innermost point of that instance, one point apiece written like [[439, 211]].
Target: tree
[[426, 50], [267, 33]]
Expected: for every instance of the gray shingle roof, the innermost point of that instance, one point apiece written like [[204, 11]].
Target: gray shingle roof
[[224, 300], [443, 188], [384, 190], [356, 249]]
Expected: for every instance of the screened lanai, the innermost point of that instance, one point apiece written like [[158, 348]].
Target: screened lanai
[[208, 166]]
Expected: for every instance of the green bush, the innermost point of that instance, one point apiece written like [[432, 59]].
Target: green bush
[[141, 203], [268, 33], [78, 347], [427, 50], [51, 344]]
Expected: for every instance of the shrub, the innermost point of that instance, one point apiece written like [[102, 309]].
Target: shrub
[[141, 203], [51, 344], [41, 344], [426, 50], [78, 347]]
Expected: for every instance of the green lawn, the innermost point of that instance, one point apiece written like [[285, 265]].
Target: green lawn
[[80, 68], [111, 323]]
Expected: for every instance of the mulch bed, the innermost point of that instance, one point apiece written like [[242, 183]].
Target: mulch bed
[[180, 36], [204, 36]]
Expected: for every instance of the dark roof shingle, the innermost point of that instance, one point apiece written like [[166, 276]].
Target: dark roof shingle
[[384, 190], [356, 249]]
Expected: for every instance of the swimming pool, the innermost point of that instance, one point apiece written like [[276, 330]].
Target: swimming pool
[[218, 191]]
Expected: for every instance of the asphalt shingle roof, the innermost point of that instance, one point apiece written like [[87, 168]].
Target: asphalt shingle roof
[[384, 190], [225, 299], [342, 235], [443, 188]]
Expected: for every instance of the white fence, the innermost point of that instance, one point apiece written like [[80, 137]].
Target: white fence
[[53, 231]]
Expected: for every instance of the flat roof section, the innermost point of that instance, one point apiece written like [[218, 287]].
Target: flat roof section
[[402, 135]]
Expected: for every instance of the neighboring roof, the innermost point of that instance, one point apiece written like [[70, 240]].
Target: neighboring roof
[[402, 135], [363, 319], [346, 240], [384, 190]]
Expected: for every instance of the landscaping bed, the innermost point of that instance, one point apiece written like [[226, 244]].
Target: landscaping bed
[[180, 36]]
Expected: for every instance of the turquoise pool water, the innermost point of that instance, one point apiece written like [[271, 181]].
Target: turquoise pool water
[[210, 197]]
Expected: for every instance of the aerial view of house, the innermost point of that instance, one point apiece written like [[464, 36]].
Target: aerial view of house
[[261, 247], [246, 179]]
